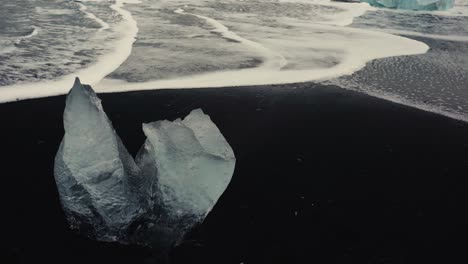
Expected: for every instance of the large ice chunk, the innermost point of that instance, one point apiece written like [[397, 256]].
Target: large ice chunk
[[413, 4], [183, 168], [193, 165], [97, 179]]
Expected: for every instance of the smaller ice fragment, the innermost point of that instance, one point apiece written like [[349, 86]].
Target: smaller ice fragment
[[192, 164], [413, 4]]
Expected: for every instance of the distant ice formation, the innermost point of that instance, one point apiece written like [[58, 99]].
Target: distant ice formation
[[181, 171], [413, 4]]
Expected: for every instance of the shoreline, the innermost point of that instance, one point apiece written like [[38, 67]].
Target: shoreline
[[380, 95]]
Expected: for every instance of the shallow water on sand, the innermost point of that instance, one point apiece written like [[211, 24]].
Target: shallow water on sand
[[437, 80]]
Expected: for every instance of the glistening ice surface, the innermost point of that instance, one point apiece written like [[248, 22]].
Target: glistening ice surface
[[182, 170], [127, 45], [413, 4], [99, 183], [190, 164]]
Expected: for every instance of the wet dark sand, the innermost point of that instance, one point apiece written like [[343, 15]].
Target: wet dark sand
[[323, 175]]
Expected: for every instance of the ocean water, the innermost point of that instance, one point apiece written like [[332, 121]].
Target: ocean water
[[436, 81], [415, 58], [47, 39]]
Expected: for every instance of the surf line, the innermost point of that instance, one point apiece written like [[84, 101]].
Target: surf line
[[84, 8], [273, 60]]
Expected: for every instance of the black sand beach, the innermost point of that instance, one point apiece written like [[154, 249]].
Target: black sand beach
[[323, 175]]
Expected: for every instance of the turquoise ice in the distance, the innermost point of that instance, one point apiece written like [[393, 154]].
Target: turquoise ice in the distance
[[413, 4]]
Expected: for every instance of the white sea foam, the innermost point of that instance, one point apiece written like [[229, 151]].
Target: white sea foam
[[91, 75], [346, 17], [358, 47], [33, 33], [84, 8], [355, 48], [273, 60], [7, 44]]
